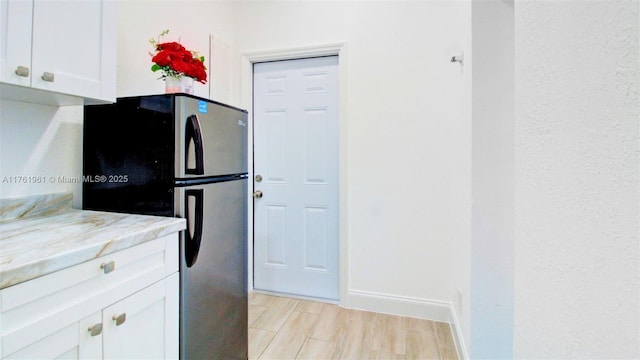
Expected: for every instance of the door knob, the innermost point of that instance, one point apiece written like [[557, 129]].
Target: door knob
[[257, 194]]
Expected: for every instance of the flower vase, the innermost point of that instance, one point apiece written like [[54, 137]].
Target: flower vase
[[183, 84]]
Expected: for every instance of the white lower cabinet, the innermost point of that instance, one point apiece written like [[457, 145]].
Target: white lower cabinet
[[71, 341], [136, 327], [120, 306]]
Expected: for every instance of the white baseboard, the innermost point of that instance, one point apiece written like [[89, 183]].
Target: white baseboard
[[429, 309], [458, 338], [435, 310]]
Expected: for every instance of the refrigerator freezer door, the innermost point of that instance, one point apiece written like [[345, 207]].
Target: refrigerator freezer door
[[213, 289], [211, 139], [133, 148]]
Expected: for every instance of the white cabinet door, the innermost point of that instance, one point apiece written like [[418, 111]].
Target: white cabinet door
[[72, 341], [73, 49], [143, 325], [15, 41]]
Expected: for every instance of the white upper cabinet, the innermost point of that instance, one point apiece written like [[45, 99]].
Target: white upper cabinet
[[66, 48], [15, 42]]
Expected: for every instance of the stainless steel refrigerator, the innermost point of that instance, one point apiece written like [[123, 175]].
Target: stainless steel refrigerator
[[182, 156]]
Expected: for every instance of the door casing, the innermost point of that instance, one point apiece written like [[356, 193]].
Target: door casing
[[246, 101]]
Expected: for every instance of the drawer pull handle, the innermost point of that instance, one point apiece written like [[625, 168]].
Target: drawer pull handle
[[108, 267], [120, 319], [22, 71], [96, 329], [47, 76]]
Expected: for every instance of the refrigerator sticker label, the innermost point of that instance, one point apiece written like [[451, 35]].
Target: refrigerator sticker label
[[202, 106], [241, 123]]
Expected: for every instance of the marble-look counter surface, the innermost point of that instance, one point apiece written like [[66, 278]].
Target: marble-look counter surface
[[51, 240]]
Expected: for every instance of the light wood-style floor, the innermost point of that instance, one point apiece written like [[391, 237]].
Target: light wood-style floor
[[284, 328]]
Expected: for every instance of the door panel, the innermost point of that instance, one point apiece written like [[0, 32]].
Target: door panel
[[276, 146], [276, 231], [316, 242], [296, 154]]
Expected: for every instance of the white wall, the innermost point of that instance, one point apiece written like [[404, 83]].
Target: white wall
[[190, 22], [577, 253], [39, 141], [408, 136], [492, 180]]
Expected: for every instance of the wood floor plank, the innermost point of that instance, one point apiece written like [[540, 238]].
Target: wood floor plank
[[445, 341], [277, 312], [258, 341], [392, 337], [312, 307], [361, 315], [261, 299], [314, 349], [332, 322], [421, 345], [420, 324], [284, 328], [361, 341], [289, 340], [255, 311]]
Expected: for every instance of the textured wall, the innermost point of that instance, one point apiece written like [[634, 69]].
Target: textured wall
[[577, 258]]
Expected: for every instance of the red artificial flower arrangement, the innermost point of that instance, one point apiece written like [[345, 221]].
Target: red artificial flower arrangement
[[175, 61]]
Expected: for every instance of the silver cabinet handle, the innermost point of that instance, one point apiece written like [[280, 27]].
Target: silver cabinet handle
[[258, 194], [108, 267], [22, 71], [120, 319], [96, 329], [47, 76]]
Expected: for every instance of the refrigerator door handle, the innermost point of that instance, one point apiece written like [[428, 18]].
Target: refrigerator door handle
[[193, 133], [192, 243]]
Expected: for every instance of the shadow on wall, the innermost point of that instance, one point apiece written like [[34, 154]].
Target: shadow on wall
[[40, 149]]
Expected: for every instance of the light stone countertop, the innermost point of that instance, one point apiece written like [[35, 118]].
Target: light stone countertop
[[44, 242]]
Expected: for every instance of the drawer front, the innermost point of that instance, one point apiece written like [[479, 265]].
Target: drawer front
[[102, 281]]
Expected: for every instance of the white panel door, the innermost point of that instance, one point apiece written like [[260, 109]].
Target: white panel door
[[296, 156]]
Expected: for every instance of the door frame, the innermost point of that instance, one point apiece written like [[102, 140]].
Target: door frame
[[247, 60]]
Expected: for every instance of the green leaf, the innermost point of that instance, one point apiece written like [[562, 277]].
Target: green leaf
[[155, 67], [201, 58]]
